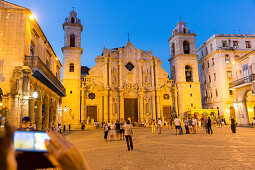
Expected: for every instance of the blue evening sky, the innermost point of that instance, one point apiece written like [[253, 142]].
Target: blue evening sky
[[149, 21]]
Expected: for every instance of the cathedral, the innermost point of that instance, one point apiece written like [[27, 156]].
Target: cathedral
[[127, 82]]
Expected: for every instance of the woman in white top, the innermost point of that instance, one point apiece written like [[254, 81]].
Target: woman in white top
[[128, 132]]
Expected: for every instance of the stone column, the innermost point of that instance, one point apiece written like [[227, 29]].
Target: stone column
[[120, 74], [106, 112], [111, 117], [141, 96], [13, 112], [176, 102], [46, 116], [152, 75], [121, 105], [106, 72], [153, 105], [158, 107], [140, 75], [38, 116], [55, 112], [110, 72], [32, 110], [50, 116], [25, 92], [82, 105]]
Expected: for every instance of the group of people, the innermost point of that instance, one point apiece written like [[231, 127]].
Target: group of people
[[118, 130]]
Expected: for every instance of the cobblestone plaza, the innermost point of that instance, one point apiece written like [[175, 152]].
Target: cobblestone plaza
[[221, 150]]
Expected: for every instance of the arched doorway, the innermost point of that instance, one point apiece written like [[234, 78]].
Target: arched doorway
[[250, 105]]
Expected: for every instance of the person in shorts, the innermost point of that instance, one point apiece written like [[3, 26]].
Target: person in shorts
[[177, 124], [112, 130]]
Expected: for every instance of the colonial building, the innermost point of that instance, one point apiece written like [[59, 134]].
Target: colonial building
[[244, 86], [184, 68], [219, 57], [128, 83], [29, 70]]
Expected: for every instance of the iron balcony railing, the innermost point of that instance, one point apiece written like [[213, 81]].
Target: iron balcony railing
[[242, 81], [36, 63]]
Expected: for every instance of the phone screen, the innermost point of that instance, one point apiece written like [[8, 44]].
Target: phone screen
[[32, 141]]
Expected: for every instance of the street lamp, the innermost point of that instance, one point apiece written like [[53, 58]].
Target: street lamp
[[1, 104], [65, 108], [35, 94]]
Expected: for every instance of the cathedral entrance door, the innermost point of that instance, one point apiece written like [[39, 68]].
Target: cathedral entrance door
[[92, 112], [167, 112], [131, 109]]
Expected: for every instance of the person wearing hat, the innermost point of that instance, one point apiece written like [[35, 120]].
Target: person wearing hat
[[26, 124]]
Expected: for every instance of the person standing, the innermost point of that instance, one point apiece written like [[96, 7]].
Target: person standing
[[209, 125], [194, 125], [159, 126], [121, 129], [106, 130], [233, 124], [82, 126], [186, 123], [253, 122], [153, 127], [177, 124], [69, 127], [128, 131], [64, 128], [117, 129], [59, 128], [112, 130]]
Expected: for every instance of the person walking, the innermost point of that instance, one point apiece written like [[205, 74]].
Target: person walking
[[82, 126], [253, 122], [106, 130], [209, 125], [233, 124], [159, 126], [128, 132], [177, 124], [69, 127], [153, 127], [194, 125], [64, 128], [59, 128]]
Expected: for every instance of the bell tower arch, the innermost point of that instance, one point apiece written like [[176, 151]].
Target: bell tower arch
[[72, 69], [184, 67]]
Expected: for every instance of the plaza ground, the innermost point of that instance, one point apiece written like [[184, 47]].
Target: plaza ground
[[221, 150]]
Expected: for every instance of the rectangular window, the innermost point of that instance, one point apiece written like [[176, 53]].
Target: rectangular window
[[202, 53], [205, 81], [208, 64], [206, 51], [210, 79], [32, 49], [216, 92], [210, 93], [227, 58], [248, 44], [203, 66], [231, 92], [212, 61], [224, 43], [214, 75], [229, 74], [211, 47], [235, 44]]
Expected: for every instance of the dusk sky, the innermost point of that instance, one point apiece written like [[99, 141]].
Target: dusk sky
[[149, 21]]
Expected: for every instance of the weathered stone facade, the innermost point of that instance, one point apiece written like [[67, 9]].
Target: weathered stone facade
[[28, 64], [128, 83]]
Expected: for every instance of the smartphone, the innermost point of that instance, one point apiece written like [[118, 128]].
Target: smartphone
[[30, 141]]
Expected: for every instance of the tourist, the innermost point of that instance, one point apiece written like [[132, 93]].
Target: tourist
[[128, 133], [190, 125], [253, 122], [82, 126], [121, 129], [194, 125], [186, 123], [209, 125], [34, 126], [177, 124], [233, 124], [153, 127], [220, 122], [59, 128], [26, 124], [106, 130], [205, 120], [69, 127], [64, 128], [117, 129], [159, 126], [112, 130], [53, 127]]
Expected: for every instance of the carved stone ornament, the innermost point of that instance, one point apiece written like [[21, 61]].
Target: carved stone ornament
[[92, 96]]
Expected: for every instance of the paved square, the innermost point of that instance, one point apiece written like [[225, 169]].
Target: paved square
[[221, 150]]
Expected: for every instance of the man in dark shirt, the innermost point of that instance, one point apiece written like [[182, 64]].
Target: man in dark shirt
[[233, 124], [26, 124], [209, 125]]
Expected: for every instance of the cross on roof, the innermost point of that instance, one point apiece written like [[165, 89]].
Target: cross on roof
[[73, 8], [128, 36]]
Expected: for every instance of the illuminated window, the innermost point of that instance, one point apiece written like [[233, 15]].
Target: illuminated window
[[235, 44], [227, 58], [188, 73]]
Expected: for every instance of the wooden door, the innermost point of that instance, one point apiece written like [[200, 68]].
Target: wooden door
[[167, 112], [92, 112], [131, 109]]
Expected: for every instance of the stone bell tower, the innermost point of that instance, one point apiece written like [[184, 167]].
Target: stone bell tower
[[184, 68], [72, 69]]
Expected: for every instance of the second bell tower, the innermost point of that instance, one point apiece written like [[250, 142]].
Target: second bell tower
[[72, 69], [184, 68]]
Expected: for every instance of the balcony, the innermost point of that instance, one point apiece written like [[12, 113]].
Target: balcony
[[242, 82], [44, 75]]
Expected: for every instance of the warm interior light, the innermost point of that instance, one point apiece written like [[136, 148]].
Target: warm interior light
[[35, 94], [233, 62], [31, 17], [65, 108], [1, 104], [56, 59]]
